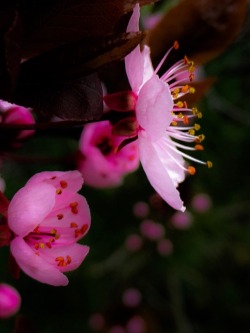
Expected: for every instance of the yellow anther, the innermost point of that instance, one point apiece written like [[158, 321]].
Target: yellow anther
[[209, 164], [179, 104], [200, 138], [191, 131], [53, 232], [57, 236], [191, 77], [174, 123], [199, 115], [191, 170], [42, 245], [179, 115], [197, 127], [195, 111], [191, 90]]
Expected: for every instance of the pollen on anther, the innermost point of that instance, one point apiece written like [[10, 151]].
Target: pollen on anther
[[58, 191], [209, 164], [176, 45], [63, 184], [185, 120], [191, 170], [197, 127], [68, 260], [199, 147], [74, 207], [185, 88]]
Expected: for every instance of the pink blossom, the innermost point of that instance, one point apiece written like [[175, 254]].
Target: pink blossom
[[181, 220], [16, 114], [131, 297], [48, 217], [152, 230], [141, 209], [201, 202], [10, 300], [136, 324], [100, 163], [165, 247], [97, 321], [133, 242], [160, 119]]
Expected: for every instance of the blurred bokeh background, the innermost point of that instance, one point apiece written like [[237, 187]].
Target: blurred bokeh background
[[150, 269]]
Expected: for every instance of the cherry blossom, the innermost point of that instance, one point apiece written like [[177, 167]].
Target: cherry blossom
[[16, 114], [100, 162], [161, 118], [48, 217], [10, 300]]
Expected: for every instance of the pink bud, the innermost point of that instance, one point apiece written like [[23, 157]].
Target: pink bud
[[141, 209], [136, 325], [181, 220], [133, 242], [152, 230], [97, 321], [201, 202], [10, 301], [117, 329], [131, 297], [165, 247]]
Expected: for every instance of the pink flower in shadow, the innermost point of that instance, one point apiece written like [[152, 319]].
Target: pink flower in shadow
[[48, 217], [99, 162], [15, 114]]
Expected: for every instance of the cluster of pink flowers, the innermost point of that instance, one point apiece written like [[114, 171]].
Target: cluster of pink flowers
[[47, 216]]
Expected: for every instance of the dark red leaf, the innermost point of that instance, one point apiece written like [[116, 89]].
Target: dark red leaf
[[24, 325], [204, 28], [71, 99], [10, 51], [4, 204], [82, 57], [50, 24]]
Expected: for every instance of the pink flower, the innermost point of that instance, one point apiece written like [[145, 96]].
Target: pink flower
[[100, 163], [160, 119], [48, 217], [10, 300], [15, 114]]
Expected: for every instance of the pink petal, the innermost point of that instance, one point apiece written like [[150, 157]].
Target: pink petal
[[153, 108], [133, 24], [105, 170], [76, 252], [157, 173], [134, 61], [70, 180], [29, 206], [67, 222], [35, 266]]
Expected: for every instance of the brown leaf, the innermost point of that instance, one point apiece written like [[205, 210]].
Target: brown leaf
[[51, 24], [77, 99], [10, 51], [82, 57], [204, 28]]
